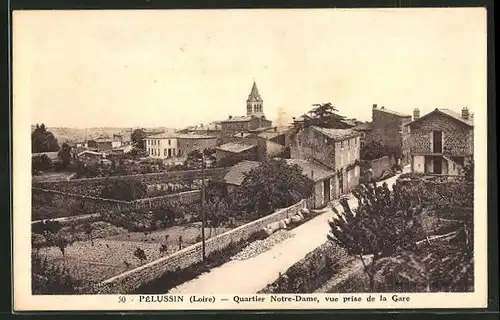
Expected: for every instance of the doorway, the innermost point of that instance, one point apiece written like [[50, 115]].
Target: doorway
[[326, 190], [437, 141], [438, 165]]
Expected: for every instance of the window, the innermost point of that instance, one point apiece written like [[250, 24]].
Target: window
[[169, 152], [168, 141], [341, 144], [165, 152], [363, 134], [348, 142]]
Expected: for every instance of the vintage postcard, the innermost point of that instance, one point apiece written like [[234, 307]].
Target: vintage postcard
[[249, 159]]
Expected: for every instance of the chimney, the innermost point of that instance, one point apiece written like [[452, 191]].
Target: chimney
[[275, 129], [374, 106], [242, 133], [465, 113], [382, 107], [312, 173], [230, 116], [416, 113]]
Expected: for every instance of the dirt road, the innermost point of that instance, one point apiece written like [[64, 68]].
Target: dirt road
[[251, 275]]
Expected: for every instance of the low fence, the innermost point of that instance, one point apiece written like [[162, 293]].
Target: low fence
[[48, 204], [94, 186], [133, 279]]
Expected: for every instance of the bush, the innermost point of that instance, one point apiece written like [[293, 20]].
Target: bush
[[311, 272], [124, 190], [51, 279], [40, 163]]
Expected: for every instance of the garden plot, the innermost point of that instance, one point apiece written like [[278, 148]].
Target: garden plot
[[100, 259]]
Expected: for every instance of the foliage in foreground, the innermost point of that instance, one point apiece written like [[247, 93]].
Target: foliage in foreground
[[272, 185], [388, 226]]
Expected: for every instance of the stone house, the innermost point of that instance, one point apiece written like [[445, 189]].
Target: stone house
[[442, 141], [389, 128], [234, 152], [176, 145], [236, 174], [323, 180], [335, 149], [366, 132], [100, 144]]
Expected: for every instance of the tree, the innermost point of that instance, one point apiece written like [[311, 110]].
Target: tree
[[274, 184], [385, 222], [43, 140], [323, 115], [40, 163], [140, 254], [65, 155], [124, 190], [137, 137]]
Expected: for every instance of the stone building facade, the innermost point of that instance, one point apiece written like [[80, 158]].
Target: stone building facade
[[389, 128], [166, 145], [335, 149], [442, 142]]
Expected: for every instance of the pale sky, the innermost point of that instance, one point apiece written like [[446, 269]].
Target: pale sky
[[177, 68]]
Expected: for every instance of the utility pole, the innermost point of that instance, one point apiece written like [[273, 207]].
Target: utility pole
[[203, 204]]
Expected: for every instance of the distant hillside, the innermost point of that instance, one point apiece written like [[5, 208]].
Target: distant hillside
[[78, 134]]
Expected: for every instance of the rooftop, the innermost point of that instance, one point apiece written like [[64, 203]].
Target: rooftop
[[236, 174], [399, 114], [163, 135], [235, 147], [448, 112], [269, 134], [193, 136], [365, 126], [313, 171], [337, 134]]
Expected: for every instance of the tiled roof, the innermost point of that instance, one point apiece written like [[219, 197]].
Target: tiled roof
[[313, 171], [336, 134], [392, 112], [450, 113], [269, 134], [456, 115], [365, 126], [192, 136], [163, 135], [235, 147], [238, 119], [236, 174]]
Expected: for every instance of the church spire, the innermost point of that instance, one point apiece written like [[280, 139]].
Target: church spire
[[254, 102], [254, 93]]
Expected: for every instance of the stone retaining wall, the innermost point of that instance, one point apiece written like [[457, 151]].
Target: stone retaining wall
[[77, 204], [129, 281], [94, 186]]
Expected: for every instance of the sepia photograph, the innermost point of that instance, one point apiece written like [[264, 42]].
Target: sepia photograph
[[233, 159]]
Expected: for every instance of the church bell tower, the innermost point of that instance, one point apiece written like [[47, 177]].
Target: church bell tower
[[254, 102]]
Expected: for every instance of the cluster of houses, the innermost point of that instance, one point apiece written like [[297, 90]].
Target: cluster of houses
[[440, 142]]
